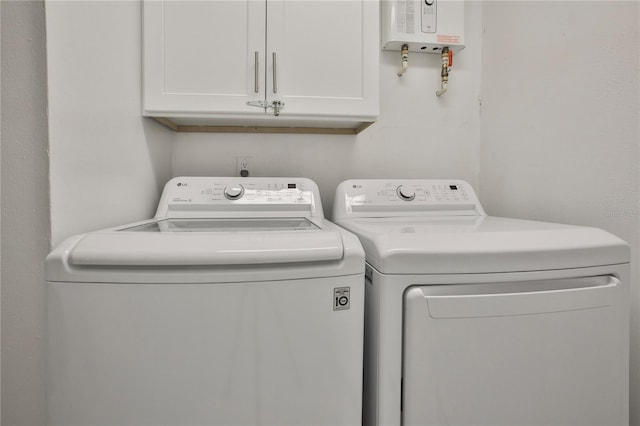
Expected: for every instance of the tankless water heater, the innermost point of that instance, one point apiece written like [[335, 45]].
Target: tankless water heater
[[423, 25]]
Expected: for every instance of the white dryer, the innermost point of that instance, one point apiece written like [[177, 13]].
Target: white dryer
[[479, 320], [238, 304]]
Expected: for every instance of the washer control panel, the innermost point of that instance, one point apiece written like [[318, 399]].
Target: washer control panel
[[409, 197], [191, 195]]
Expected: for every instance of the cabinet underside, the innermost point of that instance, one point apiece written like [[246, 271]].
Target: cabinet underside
[[293, 128]]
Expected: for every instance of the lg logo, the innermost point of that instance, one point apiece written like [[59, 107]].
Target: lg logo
[[341, 299]]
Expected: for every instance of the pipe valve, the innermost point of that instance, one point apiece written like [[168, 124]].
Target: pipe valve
[[404, 54], [447, 63]]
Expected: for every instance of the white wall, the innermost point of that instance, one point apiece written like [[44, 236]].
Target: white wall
[[25, 210], [417, 134], [561, 122], [108, 163], [0, 218]]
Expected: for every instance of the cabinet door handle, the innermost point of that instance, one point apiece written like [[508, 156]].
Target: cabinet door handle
[[275, 76], [257, 65]]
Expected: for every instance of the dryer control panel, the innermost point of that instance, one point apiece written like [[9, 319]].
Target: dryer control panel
[[197, 196], [405, 197]]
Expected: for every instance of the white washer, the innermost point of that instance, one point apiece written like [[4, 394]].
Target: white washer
[[479, 320], [238, 304]]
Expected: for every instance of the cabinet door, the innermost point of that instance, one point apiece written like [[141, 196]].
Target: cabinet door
[[327, 57], [200, 56]]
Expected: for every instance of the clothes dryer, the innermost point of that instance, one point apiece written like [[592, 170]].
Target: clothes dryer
[[238, 304], [479, 320]]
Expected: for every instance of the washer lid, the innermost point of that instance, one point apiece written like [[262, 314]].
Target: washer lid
[[240, 253], [482, 244], [224, 225], [207, 242]]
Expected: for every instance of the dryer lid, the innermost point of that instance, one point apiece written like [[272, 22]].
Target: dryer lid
[[481, 244]]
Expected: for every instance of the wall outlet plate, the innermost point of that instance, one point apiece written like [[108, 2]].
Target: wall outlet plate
[[244, 166]]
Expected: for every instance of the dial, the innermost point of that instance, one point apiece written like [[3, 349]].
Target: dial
[[406, 193], [234, 191]]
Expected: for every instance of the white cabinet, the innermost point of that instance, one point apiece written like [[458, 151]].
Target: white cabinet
[[226, 65]]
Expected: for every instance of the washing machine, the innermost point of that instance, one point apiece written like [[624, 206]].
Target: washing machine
[[479, 320], [238, 304]]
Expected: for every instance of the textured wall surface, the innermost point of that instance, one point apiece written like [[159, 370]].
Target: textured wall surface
[[25, 210], [0, 217], [560, 122], [108, 163]]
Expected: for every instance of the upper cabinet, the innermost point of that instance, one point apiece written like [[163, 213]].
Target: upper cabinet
[[262, 65]]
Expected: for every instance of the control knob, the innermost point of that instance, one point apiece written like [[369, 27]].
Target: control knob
[[406, 193], [234, 192]]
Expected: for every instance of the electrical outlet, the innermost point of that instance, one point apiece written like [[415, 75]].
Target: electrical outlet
[[244, 166]]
